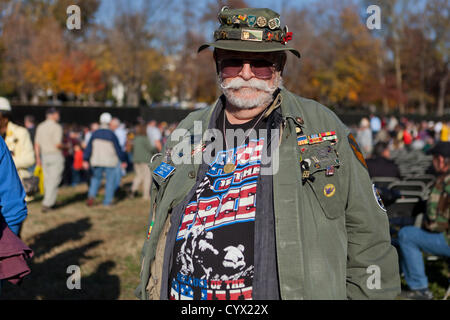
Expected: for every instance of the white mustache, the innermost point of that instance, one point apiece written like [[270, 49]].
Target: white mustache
[[238, 83]]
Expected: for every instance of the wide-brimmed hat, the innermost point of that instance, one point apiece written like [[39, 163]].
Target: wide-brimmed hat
[[251, 30]]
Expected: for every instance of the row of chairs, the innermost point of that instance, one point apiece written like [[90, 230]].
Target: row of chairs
[[410, 207], [410, 196], [414, 162]]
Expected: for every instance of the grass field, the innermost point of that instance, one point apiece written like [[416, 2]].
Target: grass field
[[106, 244]]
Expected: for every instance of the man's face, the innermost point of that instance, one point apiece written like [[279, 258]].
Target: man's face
[[439, 163], [114, 124], [248, 79], [55, 116]]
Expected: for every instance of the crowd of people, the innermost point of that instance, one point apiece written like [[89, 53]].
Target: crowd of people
[[74, 154], [429, 142], [400, 133]]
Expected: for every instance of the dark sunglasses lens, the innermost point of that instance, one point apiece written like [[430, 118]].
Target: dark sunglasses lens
[[230, 68], [262, 69]]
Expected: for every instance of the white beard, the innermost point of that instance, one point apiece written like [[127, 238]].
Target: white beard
[[263, 98]]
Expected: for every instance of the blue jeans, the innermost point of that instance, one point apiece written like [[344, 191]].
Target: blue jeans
[[413, 241], [118, 178], [96, 180], [76, 177]]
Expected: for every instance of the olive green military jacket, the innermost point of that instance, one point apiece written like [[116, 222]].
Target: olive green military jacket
[[329, 244]]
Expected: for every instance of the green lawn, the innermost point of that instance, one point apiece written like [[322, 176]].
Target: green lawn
[[104, 242]]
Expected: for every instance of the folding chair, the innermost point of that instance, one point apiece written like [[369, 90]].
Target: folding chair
[[410, 189], [428, 179], [384, 182]]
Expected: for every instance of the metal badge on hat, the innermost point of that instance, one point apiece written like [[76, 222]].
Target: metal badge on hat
[[251, 21], [274, 23], [261, 21]]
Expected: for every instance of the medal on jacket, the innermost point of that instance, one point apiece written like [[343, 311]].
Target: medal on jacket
[[164, 170], [230, 166]]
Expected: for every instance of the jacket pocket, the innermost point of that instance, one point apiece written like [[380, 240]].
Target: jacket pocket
[[329, 194], [154, 282]]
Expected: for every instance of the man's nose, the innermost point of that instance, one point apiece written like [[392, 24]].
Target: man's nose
[[246, 72]]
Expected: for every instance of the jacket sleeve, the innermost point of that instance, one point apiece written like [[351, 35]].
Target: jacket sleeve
[[12, 195], [88, 151], [372, 262], [120, 153], [435, 221], [26, 158]]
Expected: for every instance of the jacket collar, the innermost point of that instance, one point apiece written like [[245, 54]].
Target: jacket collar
[[290, 108], [280, 103]]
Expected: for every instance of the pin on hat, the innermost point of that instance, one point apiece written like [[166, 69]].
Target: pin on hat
[[258, 30]]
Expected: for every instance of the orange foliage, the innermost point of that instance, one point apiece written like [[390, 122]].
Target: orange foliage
[[74, 73]]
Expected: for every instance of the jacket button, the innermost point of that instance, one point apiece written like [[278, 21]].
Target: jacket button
[[191, 174]]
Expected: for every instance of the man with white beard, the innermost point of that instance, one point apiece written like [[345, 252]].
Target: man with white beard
[[280, 176]]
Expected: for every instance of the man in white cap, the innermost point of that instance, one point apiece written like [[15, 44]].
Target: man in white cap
[[17, 139], [48, 148], [103, 154]]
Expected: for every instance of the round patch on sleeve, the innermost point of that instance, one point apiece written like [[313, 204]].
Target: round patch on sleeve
[[378, 199]]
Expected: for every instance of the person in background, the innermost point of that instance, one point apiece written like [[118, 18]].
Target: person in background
[[103, 153], [17, 139], [121, 134], [30, 124], [364, 137], [142, 153], [77, 166], [375, 125], [48, 148], [434, 236], [380, 164], [445, 131], [88, 133], [154, 135]]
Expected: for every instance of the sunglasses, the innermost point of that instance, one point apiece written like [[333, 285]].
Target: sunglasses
[[262, 69]]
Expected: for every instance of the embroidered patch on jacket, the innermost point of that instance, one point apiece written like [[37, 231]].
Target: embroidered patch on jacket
[[356, 150], [378, 199], [329, 190]]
